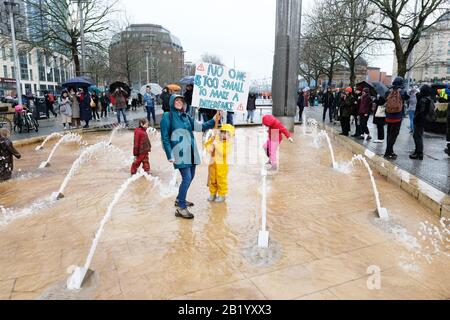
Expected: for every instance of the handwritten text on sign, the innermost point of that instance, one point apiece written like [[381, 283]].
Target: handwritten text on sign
[[218, 87]]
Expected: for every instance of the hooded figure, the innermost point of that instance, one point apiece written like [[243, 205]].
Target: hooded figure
[[424, 107], [7, 151], [219, 146], [177, 137], [276, 132]]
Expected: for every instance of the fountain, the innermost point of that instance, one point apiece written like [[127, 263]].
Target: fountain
[[114, 132], [83, 158], [382, 212], [70, 137], [323, 133], [53, 135], [76, 279], [263, 236]]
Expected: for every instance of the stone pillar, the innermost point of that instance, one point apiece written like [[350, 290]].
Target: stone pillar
[[286, 61]]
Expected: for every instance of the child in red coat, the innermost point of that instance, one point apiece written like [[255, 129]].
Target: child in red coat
[[142, 147], [276, 132]]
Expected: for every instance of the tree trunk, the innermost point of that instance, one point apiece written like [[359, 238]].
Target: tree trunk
[[352, 74], [401, 64], [75, 57]]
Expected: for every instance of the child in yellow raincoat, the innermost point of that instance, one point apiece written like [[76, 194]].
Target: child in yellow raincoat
[[219, 147]]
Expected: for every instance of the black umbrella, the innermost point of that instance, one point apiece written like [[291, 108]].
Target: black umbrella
[[380, 88], [117, 85], [364, 84], [78, 82]]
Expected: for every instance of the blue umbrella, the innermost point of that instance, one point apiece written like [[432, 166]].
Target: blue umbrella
[[187, 80], [77, 82], [95, 88]]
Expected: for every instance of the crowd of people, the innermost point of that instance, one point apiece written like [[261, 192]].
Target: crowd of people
[[354, 107]]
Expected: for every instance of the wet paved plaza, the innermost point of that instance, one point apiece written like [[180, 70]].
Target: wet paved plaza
[[325, 237]]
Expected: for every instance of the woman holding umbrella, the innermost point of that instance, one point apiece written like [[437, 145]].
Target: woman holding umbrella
[[121, 103]]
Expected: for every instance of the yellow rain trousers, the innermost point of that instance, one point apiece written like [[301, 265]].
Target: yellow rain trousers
[[218, 168]]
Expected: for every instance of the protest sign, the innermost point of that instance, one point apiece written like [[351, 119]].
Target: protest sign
[[220, 88]]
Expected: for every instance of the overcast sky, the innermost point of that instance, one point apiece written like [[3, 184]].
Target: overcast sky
[[239, 31]]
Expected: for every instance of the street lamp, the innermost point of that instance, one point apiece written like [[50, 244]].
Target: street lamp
[[10, 5], [81, 17]]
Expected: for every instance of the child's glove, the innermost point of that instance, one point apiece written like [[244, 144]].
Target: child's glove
[[291, 140]]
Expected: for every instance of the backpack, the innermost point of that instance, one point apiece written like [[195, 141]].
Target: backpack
[[51, 98], [394, 102], [431, 115]]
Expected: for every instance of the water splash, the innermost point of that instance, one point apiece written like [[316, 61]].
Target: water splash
[[436, 238], [114, 132], [76, 279], [53, 135], [10, 214], [324, 134], [86, 156], [153, 135], [70, 137], [382, 212]]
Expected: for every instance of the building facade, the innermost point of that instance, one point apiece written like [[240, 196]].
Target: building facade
[[341, 77], [375, 74], [39, 70], [146, 53], [432, 54]]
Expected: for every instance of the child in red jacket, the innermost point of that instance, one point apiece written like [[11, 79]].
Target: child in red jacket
[[142, 147], [276, 132]]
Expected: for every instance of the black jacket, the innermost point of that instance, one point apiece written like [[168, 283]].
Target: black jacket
[[188, 97], [251, 103], [301, 100], [422, 109], [165, 97], [328, 99]]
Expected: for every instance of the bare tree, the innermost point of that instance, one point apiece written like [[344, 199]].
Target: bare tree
[[325, 40], [312, 60], [402, 25], [349, 20], [97, 66], [54, 24]]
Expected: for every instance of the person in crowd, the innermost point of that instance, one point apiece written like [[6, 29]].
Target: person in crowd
[[447, 150], [65, 110], [120, 96], [180, 146], [379, 118], [142, 147], [219, 146], [355, 110], [328, 102], [425, 105], [104, 103], [339, 98], [412, 103], [345, 112], [149, 99], [276, 131], [7, 151], [49, 101], [85, 107], [76, 123], [165, 98], [188, 98], [300, 105], [394, 115], [251, 107], [95, 106], [365, 106]]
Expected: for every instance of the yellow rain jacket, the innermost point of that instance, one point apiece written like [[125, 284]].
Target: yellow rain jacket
[[218, 168]]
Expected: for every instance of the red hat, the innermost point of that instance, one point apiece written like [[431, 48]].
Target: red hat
[[349, 89]]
